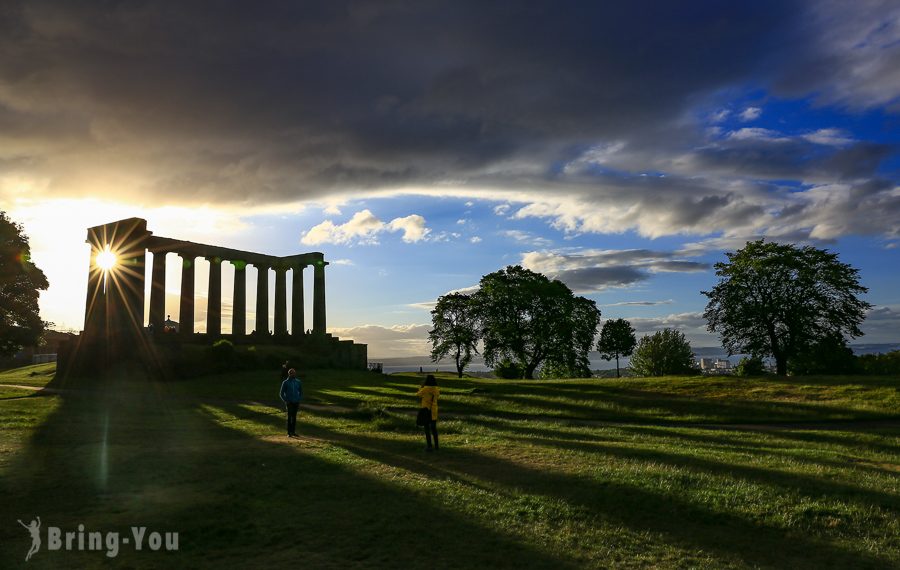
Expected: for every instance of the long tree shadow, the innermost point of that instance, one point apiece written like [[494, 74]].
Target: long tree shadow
[[682, 522], [615, 404], [138, 459], [810, 486], [781, 442]]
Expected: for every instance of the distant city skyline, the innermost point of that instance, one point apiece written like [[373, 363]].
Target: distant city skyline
[[621, 149]]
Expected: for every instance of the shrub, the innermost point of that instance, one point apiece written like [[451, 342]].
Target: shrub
[[831, 355], [221, 355], [664, 352], [508, 369], [552, 370], [750, 366], [882, 364]]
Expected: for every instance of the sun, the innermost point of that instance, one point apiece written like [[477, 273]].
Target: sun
[[106, 260]]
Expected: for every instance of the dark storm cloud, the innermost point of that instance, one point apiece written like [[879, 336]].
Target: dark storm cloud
[[590, 279], [587, 271], [263, 103], [295, 99], [768, 155]]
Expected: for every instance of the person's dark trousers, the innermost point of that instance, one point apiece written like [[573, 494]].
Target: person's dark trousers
[[292, 418], [431, 430]]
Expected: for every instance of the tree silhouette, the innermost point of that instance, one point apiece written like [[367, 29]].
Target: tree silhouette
[[20, 284], [661, 353], [530, 319], [782, 300], [616, 339], [456, 330]]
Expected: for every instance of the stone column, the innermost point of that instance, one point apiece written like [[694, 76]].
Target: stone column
[[239, 299], [297, 302], [262, 299], [214, 306], [319, 297], [280, 301], [158, 292], [186, 307]]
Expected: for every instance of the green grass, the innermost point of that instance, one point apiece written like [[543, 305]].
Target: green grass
[[631, 473]]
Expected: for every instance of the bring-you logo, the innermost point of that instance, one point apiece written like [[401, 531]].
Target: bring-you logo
[[108, 542]]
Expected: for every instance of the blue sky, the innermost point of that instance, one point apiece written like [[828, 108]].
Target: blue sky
[[620, 148]]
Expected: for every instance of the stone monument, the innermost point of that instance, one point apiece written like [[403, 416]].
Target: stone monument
[[114, 327]]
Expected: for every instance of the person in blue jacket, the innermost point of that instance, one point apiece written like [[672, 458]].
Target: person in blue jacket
[[291, 394]]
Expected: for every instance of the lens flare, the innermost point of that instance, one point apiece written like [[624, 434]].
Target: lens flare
[[106, 260]]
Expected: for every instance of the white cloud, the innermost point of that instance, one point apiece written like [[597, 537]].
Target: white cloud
[[393, 341], [830, 137], [502, 209], [750, 113], [342, 262], [412, 226], [639, 303], [719, 116], [363, 228], [755, 133], [475, 239], [527, 237], [599, 154], [469, 204]]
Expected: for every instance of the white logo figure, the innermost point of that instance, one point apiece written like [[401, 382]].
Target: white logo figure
[[35, 530]]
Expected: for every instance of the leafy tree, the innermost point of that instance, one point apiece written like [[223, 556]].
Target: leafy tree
[[20, 284], [885, 364], [829, 355], [569, 358], [781, 300], [508, 369], [750, 366], [664, 352], [456, 330], [531, 320], [616, 339]]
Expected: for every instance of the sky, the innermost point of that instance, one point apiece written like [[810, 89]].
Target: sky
[[622, 148]]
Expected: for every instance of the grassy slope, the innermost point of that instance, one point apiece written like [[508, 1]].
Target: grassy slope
[[522, 486]]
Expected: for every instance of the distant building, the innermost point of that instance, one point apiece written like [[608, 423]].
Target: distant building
[[715, 365]]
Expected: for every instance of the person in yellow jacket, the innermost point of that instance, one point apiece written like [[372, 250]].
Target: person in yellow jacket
[[429, 393]]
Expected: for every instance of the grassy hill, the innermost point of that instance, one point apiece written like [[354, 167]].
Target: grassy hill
[[631, 473]]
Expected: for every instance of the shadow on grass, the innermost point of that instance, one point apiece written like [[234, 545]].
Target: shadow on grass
[[618, 405], [114, 461], [781, 442], [680, 522]]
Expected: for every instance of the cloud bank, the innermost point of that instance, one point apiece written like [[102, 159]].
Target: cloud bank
[[551, 111]]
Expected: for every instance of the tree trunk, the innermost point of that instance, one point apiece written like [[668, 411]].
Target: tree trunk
[[617, 366], [459, 369], [780, 365], [529, 371]]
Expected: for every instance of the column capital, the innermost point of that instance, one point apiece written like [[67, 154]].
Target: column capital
[[238, 264], [213, 259]]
